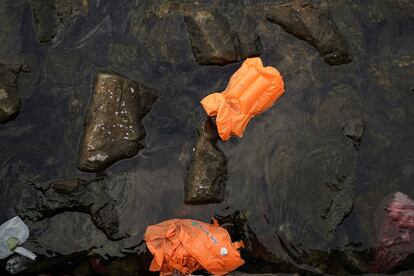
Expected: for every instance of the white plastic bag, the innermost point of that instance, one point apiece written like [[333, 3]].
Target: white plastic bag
[[14, 232]]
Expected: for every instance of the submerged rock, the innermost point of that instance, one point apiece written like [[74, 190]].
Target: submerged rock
[[167, 29], [312, 22], [77, 195], [11, 37], [113, 127], [342, 109], [215, 41], [322, 165], [9, 99], [122, 54], [261, 259], [330, 169], [49, 16], [163, 35], [206, 176], [17, 263]]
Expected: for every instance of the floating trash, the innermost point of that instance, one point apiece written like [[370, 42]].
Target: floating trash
[[13, 233], [394, 227]]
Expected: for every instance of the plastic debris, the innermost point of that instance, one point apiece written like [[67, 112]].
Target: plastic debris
[[185, 245], [13, 233], [251, 90], [395, 232]]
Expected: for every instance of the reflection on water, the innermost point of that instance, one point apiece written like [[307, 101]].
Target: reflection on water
[[307, 194]]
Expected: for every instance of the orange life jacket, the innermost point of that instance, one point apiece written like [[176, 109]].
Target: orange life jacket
[[251, 90], [187, 245]]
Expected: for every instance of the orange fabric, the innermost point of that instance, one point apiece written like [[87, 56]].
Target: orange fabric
[[187, 245], [251, 90]]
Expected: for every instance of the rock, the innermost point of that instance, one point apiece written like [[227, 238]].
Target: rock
[[216, 37], [77, 195], [259, 259], [342, 109], [340, 202], [160, 40], [11, 37], [9, 99], [49, 16], [388, 10], [45, 20], [318, 160], [215, 42], [160, 29], [323, 167], [354, 129], [248, 42], [311, 21], [334, 166], [16, 264], [206, 177], [122, 55], [113, 127], [389, 94]]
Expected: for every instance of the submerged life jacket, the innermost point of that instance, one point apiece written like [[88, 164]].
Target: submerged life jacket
[[187, 245]]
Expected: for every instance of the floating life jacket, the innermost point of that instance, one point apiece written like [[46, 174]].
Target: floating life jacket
[[251, 90]]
